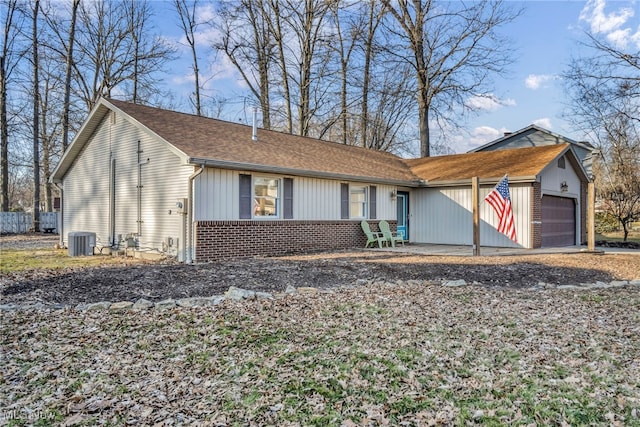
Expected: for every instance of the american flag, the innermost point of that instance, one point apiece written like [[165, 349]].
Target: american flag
[[499, 199]]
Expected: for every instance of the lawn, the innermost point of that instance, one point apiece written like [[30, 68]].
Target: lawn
[[17, 260], [618, 236], [409, 353]]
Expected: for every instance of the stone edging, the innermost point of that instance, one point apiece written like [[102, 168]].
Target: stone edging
[[238, 294]]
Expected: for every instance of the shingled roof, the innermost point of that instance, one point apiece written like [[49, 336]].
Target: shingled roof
[[524, 164], [219, 143]]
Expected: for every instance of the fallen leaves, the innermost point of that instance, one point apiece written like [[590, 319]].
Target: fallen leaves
[[385, 354]]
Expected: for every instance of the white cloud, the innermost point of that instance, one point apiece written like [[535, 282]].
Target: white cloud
[[612, 24], [536, 81], [489, 103], [544, 122], [619, 38], [476, 137], [600, 22], [483, 134]]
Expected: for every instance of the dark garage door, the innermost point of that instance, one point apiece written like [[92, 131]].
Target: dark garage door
[[558, 221]]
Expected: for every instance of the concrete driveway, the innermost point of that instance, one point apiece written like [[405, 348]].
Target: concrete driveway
[[467, 250]]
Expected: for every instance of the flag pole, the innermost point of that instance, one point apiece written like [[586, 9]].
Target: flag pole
[[475, 200]]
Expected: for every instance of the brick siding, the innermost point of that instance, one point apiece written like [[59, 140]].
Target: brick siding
[[583, 213], [217, 240], [536, 215]]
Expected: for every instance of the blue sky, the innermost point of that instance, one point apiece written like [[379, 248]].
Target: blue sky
[[545, 37]]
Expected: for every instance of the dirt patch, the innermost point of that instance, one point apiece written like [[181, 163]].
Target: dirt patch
[[168, 279]]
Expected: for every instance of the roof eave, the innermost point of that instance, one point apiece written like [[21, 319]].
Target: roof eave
[[482, 181], [224, 164], [88, 127]]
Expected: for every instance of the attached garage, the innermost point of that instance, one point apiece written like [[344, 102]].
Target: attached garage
[[547, 187], [558, 221]]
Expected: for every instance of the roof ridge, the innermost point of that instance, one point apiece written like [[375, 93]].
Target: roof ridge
[[118, 103]]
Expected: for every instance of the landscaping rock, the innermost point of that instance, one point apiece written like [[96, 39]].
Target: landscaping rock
[[122, 305], [618, 283], [238, 294], [290, 290], [142, 304], [455, 283], [307, 290], [102, 305], [165, 304]]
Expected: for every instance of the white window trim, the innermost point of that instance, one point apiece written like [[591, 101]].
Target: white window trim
[[278, 199], [353, 187]]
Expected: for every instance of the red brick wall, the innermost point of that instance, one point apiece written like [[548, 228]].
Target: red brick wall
[[536, 215], [216, 240], [583, 213]]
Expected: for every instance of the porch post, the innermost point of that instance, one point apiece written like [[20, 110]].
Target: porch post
[[475, 200], [591, 216]]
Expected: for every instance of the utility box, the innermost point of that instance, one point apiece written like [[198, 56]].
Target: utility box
[[81, 243]]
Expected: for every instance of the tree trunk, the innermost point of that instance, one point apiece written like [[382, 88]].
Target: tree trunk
[[277, 31], [4, 135], [4, 125], [36, 116], [67, 78], [372, 26], [187, 15]]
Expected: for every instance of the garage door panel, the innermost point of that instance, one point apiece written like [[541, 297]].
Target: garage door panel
[[558, 221]]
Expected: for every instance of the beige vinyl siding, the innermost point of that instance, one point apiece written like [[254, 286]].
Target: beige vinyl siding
[[87, 185], [164, 180], [216, 192], [86, 190], [443, 216], [552, 176]]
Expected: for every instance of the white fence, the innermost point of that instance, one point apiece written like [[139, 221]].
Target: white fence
[[21, 222]]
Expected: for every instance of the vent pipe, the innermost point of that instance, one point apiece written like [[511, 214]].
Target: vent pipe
[[254, 136]]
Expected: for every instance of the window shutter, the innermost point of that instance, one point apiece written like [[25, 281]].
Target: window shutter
[[245, 196], [344, 201], [288, 198], [372, 202]]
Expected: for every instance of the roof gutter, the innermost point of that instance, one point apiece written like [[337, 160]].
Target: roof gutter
[[224, 164]]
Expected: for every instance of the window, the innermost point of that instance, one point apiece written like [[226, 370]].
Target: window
[[561, 164], [357, 201], [266, 197]]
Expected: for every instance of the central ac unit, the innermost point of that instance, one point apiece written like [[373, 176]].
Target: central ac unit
[[81, 243]]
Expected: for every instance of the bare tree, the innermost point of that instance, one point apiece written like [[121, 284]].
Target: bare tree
[[374, 16], [276, 27], [249, 44], [347, 42], [453, 48], [36, 118], [51, 123], [189, 25], [67, 75], [307, 23], [604, 88], [9, 58], [111, 53]]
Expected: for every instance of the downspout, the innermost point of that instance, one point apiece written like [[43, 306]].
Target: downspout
[[61, 216], [189, 250]]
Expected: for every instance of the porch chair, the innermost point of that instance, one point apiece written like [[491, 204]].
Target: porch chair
[[390, 236], [372, 236]]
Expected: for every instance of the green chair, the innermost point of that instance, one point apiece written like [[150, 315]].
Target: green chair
[[372, 236], [390, 236]]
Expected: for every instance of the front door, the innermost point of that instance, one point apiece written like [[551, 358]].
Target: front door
[[402, 205]]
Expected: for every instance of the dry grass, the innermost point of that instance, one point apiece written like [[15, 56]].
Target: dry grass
[[404, 354]]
